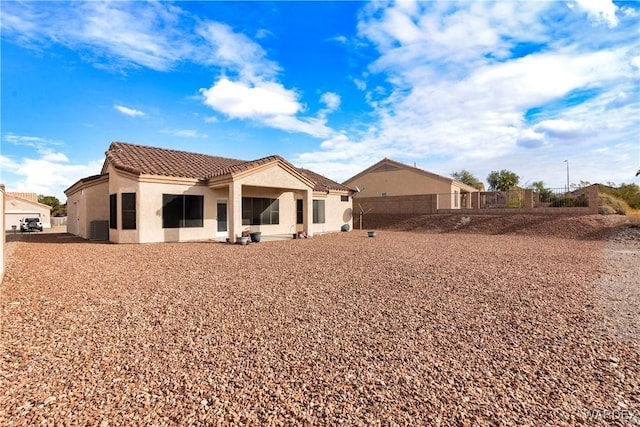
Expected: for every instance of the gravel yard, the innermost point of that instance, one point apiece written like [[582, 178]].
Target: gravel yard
[[402, 329]]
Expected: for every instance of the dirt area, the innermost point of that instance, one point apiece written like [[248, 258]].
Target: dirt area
[[407, 328]]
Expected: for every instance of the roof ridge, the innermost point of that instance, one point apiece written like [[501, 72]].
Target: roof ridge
[[191, 153]]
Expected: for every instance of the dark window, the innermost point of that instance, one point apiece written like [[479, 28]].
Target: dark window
[[222, 216], [259, 211], [299, 211], [113, 211], [318, 211], [182, 211], [344, 198], [128, 211]]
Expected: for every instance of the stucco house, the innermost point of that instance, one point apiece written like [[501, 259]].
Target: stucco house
[[2, 227], [391, 178], [25, 205], [148, 194]]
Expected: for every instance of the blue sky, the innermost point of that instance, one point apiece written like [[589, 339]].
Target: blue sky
[[330, 86]]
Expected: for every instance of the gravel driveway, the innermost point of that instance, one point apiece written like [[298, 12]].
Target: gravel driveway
[[401, 329]]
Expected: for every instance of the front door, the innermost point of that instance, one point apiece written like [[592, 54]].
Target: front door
[[222, 218]]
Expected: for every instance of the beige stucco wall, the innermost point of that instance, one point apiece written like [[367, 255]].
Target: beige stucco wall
[[89, 202], [400, 182], [336, 213], [17, 208], [271, 181], [2, 227]]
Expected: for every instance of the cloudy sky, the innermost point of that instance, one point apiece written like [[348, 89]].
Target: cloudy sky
[[331, 86]]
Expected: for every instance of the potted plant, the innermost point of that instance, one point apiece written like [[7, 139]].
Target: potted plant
[[244, 238], [255, 236]]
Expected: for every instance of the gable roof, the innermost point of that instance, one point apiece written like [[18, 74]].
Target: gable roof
[[386, 165], [32, 197], [145, 160], [11, 197]]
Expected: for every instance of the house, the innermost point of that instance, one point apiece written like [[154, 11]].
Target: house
[[391, 178], [22, 205], [2, 227], [149, 194]]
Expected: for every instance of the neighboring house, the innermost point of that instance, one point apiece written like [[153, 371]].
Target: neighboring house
[[148, 194], [21, 205], [4, 235], [391, 178]]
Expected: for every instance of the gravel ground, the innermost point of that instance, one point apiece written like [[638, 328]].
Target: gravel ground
[[401, 329]]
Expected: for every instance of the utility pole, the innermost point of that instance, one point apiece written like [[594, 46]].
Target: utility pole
[[567, 162]]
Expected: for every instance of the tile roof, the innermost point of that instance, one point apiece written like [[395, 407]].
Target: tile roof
[[141, 159], [32, 197]]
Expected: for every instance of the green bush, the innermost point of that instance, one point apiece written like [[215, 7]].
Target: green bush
[[619, 206]]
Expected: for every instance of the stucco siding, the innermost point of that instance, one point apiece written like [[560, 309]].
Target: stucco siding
[[89, 203], [2, 227], [398, 183], [149, 212]]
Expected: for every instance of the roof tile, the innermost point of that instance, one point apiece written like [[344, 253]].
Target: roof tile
[[145, 160]]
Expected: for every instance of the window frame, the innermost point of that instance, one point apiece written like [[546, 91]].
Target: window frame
[[128, 211], [299, 211], [319, 211], [182, 211], [113, 211], [260, 211]]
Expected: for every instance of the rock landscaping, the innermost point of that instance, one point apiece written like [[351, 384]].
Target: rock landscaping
[[405, 328]]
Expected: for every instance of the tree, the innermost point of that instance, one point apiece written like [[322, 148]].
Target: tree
[[502, 181], [56, 208], [466, 177], [544, 193]]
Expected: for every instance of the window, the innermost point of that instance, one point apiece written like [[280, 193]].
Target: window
[[128, 211], [113, 211], [318, 211], [259, 211], [299, 211], [182, 211], [344, 198]]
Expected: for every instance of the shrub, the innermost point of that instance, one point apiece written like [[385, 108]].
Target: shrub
[[619, 206]]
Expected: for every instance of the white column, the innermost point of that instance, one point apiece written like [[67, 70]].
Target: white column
[[308, 212], [235, 211]]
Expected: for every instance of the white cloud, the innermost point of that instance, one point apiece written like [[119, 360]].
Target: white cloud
[[331, 100], [360, 84], [45, 172], [600, 10], [113, 34], [235, 51], [266, 102], [242, 100], [561, 128], [184, 133], [462, 79], [129, 111]]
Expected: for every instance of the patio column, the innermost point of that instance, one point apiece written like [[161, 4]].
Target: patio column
[[308, 212], [235, 210]]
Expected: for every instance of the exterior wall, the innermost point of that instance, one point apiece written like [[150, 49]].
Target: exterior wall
[[2, 227], [425, 204], [149, 214], [86, 204], [92, 202], [336, 213], [17, 208], [399, 182]]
